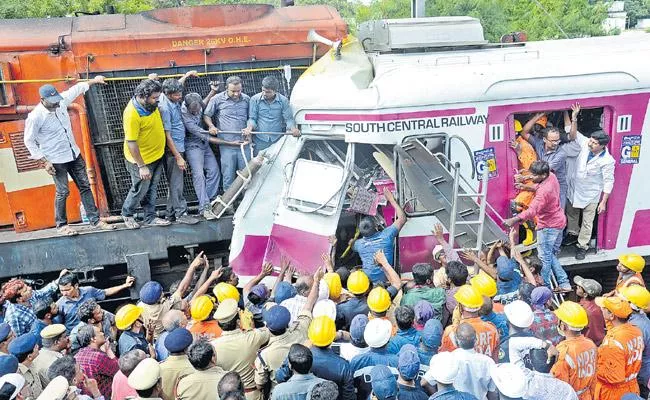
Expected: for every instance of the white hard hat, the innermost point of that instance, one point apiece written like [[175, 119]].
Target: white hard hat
[[509, 379], [519, 314], [325, 308], [377, 332], [15, 379], [443, 368]]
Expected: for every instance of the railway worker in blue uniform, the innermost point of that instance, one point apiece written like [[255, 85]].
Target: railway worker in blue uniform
[[230, 110], [50, 140], [269, 111]]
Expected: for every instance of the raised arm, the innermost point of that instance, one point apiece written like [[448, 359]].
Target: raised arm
[[214, 89], [267, 269], [393, 277], [183, 78], [202, 278], [575, 110], [401, 215], [528, 127], [284, 266], [216, 274], [490, 270], [115, 289], [189, 274], [313, 293], [523, 265]]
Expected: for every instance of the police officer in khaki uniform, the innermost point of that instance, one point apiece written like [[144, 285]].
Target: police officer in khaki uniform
[[201, 384], [55, 340], [277, 318], [177, 365], [145, 380], [25, 348], [236, 349], [154, 305]]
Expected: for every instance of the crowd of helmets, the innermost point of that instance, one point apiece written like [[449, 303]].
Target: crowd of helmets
[[451, 332]]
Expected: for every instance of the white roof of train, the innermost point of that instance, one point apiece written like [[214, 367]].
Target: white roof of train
[[547, 68]]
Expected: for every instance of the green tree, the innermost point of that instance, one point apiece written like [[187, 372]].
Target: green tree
[[636, 9]]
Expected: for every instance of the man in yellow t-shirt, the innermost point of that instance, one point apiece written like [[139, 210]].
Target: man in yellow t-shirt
[[144, 147]]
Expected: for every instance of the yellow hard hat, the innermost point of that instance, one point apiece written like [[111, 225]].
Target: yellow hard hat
[[358, 282], [225, 291], [572, 314], [333, 281], [636, 295], [632, 261], [484, 283], [518, 127], [201, 308], [126, 316], [379, 300], [469, 297], [322, 331]]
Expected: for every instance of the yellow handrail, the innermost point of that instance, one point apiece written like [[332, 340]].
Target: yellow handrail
[[127, 78]]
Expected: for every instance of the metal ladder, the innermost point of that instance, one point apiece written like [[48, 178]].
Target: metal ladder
[[481, 198], [437, 184]]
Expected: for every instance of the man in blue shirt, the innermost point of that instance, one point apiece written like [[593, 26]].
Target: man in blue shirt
[[175, 165], [269, 111], [297, 387], [230, 109], [372, 240], [72, 296], [406, 333]]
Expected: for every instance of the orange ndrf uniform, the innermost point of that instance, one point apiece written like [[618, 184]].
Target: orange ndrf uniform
[[487, 337], [526, 157], [576, 365], [635, 279], [619, 362]]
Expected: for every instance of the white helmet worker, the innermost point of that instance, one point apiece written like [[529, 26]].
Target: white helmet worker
[[519, 314]]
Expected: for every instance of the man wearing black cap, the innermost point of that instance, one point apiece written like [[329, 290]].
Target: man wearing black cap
[[49, 139]]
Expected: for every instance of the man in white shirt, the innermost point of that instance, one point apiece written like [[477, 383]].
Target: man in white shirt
[[49, 139], [473, 368], [594, 177]]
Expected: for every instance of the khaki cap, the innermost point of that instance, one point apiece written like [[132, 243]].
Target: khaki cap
[[226, 311], [52, 331], [145, 375]]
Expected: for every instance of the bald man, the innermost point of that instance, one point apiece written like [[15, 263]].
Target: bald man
[[474, 368], [171, 320]]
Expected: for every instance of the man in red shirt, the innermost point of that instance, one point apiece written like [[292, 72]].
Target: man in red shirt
[[550, 222], [587, 290], [94, 362]]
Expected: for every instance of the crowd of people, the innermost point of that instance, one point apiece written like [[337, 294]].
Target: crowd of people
[[487, 325], [163, 130], [487, 330]]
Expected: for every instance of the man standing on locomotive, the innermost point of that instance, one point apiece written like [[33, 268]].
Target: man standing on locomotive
[[49, 139]]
